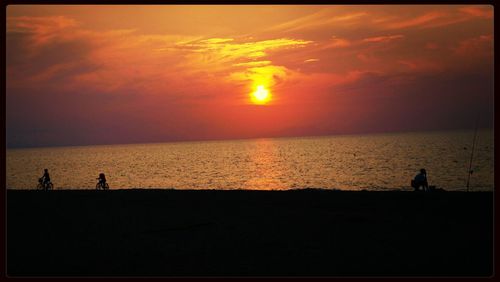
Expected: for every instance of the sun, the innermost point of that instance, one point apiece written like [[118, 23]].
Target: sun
[[261, 95]]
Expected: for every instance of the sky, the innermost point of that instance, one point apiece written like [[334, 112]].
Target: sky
[[88, 75]]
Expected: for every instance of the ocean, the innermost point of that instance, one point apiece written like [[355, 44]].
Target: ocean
[[346, 162]]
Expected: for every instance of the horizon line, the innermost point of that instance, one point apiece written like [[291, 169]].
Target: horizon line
[[249, 138]]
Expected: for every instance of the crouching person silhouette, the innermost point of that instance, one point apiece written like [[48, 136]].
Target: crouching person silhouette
[[420, 180]]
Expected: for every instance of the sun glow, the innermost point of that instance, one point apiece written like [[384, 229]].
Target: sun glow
[[261, 95]]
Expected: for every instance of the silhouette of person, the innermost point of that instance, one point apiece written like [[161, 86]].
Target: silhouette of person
[[45, 177], [102, 179], [420, 180]]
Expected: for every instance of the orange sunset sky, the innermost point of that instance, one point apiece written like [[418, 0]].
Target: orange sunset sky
[[82, 75]]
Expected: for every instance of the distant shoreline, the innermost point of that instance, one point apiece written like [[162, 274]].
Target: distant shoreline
[[248, 233]]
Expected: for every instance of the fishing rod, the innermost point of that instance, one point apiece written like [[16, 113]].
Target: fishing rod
[[472, 153]]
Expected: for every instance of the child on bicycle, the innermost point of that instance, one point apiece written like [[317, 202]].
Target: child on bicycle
[[102, 179], [45, 179]]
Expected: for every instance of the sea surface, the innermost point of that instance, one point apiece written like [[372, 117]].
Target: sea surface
[[347, 162]]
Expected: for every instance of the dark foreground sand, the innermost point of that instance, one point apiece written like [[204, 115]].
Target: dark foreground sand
[[249, 233]]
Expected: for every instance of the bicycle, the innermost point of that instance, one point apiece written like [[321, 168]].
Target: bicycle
[[101, 185], [44, 186]]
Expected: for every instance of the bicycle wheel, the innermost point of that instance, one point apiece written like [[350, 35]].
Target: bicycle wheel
[[98, 186], [39, 187], [106, 186], [50, 186]]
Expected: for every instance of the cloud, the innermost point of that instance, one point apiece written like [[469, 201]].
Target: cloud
[[38, 64], [39, 24], [252, 64], [305, 21], [420, 21], [336, 42], [367, 57], [385, 38], [477, 46], [311, 60], [322, 18], [56, 53], [42, 29], [219, 50], [485, 12], [120, 61], [266, 75], [320, 82], [227, 56], [422, 65], [217, 40], [439, 17]]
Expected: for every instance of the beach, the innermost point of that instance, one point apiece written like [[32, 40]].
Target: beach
[[141, 232]]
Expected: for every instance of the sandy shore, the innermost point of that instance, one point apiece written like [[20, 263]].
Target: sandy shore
[[249, 233]]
